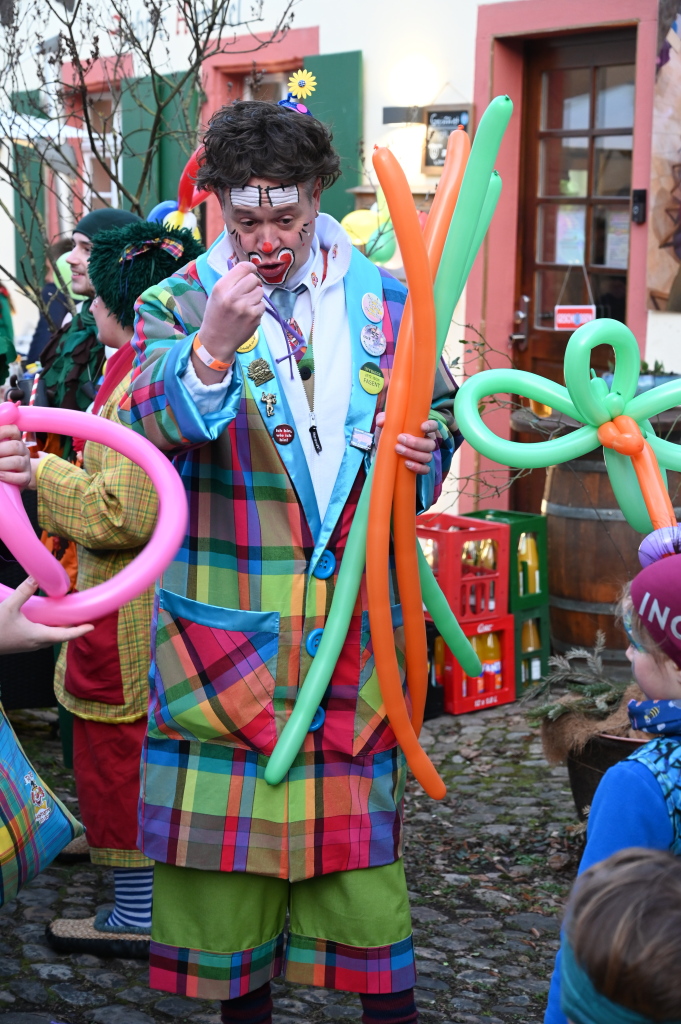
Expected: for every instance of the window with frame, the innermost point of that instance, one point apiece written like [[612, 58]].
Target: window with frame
[[100, 189]]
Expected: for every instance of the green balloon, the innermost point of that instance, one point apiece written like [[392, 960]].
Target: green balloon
[[513, 453], [330, 646], [336, 630], [586, 398], [451, 278], [627, 491], [590, 394], [382, 245], [477, 201]]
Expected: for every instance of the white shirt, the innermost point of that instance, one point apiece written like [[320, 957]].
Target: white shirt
[[323, 303]]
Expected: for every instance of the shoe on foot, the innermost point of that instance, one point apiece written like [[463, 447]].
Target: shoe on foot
[[90, 935]]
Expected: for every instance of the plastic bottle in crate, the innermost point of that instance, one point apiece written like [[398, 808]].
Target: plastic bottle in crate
[[488, 560], [530, 644], [488, 649], [528, 565]]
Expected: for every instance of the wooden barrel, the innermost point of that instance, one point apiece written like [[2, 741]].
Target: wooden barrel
[[593, 552]]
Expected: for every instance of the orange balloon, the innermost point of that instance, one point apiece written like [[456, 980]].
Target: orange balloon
[[417, 409], [623, 435], [419, 315]]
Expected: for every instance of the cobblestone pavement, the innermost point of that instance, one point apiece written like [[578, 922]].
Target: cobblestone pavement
[[488, 868]]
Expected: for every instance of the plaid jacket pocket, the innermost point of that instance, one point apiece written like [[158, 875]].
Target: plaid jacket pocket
[[214, 674]]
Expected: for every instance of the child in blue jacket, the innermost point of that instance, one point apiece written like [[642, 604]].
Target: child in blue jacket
[[638, 801], [622, 941]]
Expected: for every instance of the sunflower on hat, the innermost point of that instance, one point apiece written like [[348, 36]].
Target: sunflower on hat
[[302, 84]]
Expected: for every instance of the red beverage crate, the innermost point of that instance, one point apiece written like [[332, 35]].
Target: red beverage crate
[[463, 694], [474, 592]]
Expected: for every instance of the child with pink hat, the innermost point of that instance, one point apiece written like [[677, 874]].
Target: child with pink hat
[[638, 801]]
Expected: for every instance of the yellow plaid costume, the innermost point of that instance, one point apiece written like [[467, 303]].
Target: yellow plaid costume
[[109, 509]]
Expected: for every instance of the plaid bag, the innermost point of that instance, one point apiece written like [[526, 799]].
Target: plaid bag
[[34, 825]]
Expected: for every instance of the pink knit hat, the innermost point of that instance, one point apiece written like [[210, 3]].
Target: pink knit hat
[[656, 596]]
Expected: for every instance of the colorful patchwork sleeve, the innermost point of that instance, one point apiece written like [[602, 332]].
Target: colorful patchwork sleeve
[[158, 404]]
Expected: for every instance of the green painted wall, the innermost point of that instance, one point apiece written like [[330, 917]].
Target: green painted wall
[[28, 167], [176, 142], [339, 102]]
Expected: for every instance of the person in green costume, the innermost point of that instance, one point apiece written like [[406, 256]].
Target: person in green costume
[[7, 351], [74, 357]]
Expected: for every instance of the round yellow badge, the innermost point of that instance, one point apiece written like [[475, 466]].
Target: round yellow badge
[[249, 345], [371, 378]]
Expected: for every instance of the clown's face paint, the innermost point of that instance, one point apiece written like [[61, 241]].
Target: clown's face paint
[[273, 272], [255, 195], [272, 225]]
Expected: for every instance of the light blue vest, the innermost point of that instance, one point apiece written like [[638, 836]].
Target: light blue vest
[[662, 757]]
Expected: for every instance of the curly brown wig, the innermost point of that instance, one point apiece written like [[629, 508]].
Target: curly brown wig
[[253, 139]]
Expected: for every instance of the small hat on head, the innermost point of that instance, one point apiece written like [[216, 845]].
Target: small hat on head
[[127, 260], [656, 596], [104, 220], [301, 84]]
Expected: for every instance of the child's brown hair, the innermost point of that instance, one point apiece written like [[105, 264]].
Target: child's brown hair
[[624, 927]]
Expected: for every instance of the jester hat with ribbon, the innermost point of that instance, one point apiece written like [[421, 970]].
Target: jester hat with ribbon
[[126, 261]]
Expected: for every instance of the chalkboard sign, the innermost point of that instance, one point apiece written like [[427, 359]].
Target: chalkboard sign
[[440, 122]]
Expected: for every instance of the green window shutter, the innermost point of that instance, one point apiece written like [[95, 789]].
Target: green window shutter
[[180, 137], [29, 243], [338, 102], [28, 102], [175, 141], [137, 117]]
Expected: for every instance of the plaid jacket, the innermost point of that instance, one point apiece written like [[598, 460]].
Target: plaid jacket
[[235, 611], [109, 509]]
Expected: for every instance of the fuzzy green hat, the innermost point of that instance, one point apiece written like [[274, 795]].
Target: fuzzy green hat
[[125, 261]]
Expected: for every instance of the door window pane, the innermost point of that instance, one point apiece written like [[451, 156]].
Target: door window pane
[[566, 99], [615, 96], [610, 295], [564, 167], [562, 230], [551, 285], [612, 165], [610, 237]]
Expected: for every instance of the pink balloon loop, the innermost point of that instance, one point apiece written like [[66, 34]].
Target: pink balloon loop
[[60, 608]]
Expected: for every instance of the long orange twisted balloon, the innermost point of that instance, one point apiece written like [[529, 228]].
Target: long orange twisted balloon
[[419, 318], [417, 409]]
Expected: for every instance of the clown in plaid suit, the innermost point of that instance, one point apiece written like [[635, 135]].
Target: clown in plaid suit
[[237, 612]]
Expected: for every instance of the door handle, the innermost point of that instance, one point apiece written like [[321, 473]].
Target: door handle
[[521, 338]]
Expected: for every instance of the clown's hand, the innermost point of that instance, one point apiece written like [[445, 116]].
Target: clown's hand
[[416, 451], [233, 312]]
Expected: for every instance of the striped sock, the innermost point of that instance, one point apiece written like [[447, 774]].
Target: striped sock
[[253, 1008], [133, 898], [390, 1008]]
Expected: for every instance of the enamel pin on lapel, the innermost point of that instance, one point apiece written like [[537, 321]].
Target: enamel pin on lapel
[[259, 371], [270, 401]]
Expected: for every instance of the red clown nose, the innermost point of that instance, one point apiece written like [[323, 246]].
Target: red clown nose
[[267, 247]]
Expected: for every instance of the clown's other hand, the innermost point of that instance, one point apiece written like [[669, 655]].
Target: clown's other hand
[[416, 451], [233, 312], [14, 458], [17, 633]]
